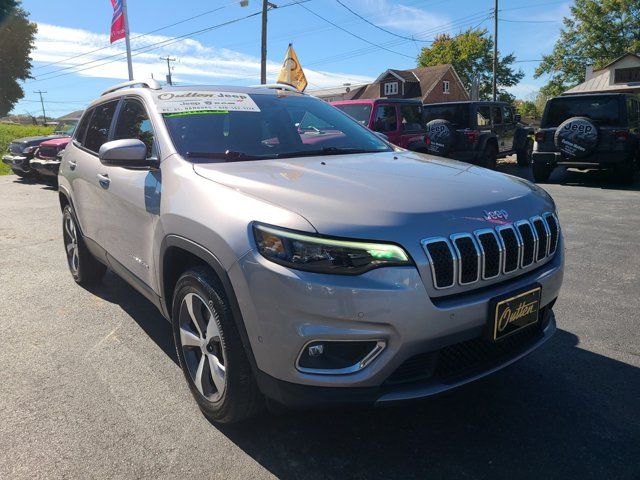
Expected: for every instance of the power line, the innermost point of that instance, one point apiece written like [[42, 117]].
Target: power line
[[529, 21]]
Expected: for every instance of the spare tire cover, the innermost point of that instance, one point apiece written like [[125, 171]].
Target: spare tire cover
[[576, 137], [441, 136]]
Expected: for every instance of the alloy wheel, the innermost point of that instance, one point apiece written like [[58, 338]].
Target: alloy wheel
[[202, 346], [71, 243]]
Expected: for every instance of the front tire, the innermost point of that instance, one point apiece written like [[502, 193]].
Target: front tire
[[489, 157], [210, 350], [84, 267], [524, 155]]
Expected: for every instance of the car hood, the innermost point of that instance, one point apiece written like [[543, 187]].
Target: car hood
[[56, 142], [394, 196], [31, 141]]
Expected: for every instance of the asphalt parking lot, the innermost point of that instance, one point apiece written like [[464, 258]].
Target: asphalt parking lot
[[90, 387]]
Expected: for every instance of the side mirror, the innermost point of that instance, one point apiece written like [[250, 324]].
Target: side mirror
[[382, 136], [517, 118], [128, 152]]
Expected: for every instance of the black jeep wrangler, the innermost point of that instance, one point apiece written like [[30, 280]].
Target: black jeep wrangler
[[589, 131], [477, 132]]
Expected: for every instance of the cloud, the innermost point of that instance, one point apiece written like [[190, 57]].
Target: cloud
[[406, 20], [197, 63]]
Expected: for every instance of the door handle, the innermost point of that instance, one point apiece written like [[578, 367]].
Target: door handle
[[72, 165], [103, 180]]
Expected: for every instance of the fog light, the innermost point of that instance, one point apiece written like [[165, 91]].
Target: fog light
[[335, 357]]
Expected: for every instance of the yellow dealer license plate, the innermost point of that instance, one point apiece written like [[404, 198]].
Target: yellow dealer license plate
[[514, 313]]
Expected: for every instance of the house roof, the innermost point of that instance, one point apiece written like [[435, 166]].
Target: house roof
[[629, 54], [600, 81]]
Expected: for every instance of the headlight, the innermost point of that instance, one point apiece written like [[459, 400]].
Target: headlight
[[29, 150], [326, 255]]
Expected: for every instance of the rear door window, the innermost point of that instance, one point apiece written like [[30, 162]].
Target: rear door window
[[411, 118], [496, 112], [458, 115], [507, 114], [98, 129], [603, 110], [483, 116], [386, 119], [133, 122]]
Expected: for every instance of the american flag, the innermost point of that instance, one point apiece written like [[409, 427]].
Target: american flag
[[117, 22]]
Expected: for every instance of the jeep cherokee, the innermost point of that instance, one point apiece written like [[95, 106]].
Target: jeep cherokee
[[314, 266]]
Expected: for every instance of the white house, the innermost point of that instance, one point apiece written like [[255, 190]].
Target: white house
[[621, 75]]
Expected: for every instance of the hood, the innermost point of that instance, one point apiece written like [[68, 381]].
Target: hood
[[37, 140], [56, 142], [393, 196]]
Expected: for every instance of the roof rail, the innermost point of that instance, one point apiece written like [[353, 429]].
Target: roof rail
[[150, 83], [277, 86]]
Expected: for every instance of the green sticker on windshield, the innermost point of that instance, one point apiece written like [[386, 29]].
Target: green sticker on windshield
[[198, 112]]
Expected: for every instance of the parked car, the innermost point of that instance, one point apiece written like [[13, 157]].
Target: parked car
[[20, 152], [305, 268], [399, 120], [477, 132], [589, 131], [47, 157]]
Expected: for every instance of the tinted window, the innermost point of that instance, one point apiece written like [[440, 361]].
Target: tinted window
[[82, 127], [386, 120], [360, 112], [633, 111], [604, 110], [507, 114], [133, 122], [458, 115], [284, 126], [497, 114], [483, 116], [98, 130], [411, 117]]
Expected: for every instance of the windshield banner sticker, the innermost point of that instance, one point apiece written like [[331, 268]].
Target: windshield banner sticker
[[205, 100]]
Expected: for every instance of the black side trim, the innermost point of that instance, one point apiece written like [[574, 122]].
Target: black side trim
[[211, 260]]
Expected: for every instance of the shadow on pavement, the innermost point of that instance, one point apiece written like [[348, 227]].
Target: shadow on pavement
[[574, 178]]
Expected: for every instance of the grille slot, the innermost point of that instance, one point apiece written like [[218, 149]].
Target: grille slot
[[511, 243], [543, 237], [465, 258], [528, 243], [442, 260], [552, 223], [469, 258], [491, 252]]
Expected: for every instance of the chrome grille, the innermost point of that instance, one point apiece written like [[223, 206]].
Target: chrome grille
[[465, 258]]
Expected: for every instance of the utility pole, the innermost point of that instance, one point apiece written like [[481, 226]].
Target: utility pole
[[266, 5], [495, 49], [169, 60], [126, 38], [44, 114]]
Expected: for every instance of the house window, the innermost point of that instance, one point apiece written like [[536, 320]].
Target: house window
[[627, 75], [391, 88], [445, 87]]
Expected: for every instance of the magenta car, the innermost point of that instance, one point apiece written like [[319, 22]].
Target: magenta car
[[46, 161], [400, 120]]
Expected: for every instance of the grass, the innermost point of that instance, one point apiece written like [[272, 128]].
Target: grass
[[8, 133]]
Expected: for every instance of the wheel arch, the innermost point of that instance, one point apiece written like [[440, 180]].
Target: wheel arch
[[178, 254]]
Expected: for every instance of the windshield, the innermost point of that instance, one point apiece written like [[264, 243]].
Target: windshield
[[277, 126], [361, 112], [66, 128], [458, 115], [603, 110]]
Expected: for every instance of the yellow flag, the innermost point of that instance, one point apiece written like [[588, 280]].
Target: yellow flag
[[291, 72]]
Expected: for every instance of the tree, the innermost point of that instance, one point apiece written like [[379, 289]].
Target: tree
[[596, 33], [471, 54], [17, 35], [527, 109]]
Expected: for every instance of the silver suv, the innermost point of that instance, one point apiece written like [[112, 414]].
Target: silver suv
[[301, 259]]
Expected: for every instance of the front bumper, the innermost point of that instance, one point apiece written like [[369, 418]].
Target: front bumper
[[594, 160], [49, 168], [283, 310], [17, 162]]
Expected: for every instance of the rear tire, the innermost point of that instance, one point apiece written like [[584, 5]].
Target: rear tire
[[489, 157], [84, 267], [624, 173], [541, 172], [524, 155], [210, 351]]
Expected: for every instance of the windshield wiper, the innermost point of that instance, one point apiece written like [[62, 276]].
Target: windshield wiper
[[228, 156], [325, 151]]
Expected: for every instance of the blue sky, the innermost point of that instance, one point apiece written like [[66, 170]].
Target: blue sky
[[230, 53]]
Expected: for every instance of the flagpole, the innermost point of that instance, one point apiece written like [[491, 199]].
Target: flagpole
[[126, 38]]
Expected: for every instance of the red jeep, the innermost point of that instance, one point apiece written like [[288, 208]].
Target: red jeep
[[399, 119]]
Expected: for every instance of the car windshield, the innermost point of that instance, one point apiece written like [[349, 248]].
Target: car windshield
[[603, 110], [361, 112], [458, 115], [274, 126], [66, 128]]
